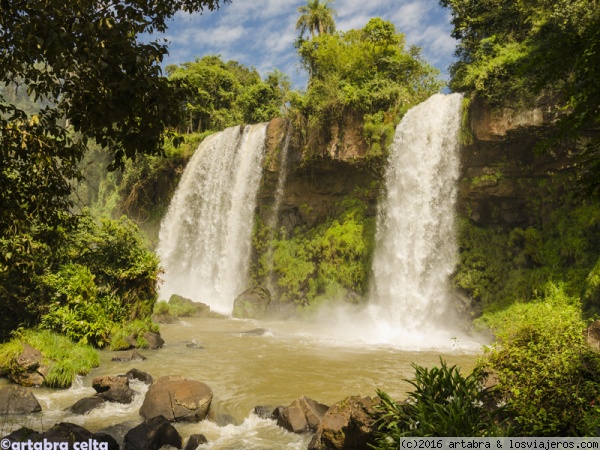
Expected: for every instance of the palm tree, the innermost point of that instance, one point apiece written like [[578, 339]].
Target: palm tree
[[317, 16]]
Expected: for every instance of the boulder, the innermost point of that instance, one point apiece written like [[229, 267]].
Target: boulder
[[152, 435], [154, 340], [177, 399], [347, 425], [30, 369], [254, 332], [18, 400], [107, 382], [265, 412], [113, 389], [301, 415], [253, 303], [66, 432], [135, 374], [194, 441], [85, 405], [110, 440], [131, 355], [23, 434], [188, 307]]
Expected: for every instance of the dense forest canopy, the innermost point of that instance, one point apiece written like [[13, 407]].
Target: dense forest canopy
[[511, 52], [99, 82]]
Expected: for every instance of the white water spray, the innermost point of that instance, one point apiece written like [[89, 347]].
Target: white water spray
[[204, 241], [416, 245]]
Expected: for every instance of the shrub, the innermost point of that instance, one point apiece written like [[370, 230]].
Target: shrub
[[444, 403], [546, 370], [136, 330]]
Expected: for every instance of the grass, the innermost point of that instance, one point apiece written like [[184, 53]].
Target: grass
[[65, 359], [137, 328]]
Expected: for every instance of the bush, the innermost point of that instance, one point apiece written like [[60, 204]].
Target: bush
[[547, 372], [136, 330], [444, 403], [66, 360]]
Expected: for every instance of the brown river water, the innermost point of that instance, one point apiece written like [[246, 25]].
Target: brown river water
[[289, 359]]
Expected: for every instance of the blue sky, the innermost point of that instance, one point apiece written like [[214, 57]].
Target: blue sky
[[261, 33]]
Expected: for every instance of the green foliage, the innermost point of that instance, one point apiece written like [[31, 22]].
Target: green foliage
[[65, 359], [223, 94], [331, 261], [443, 403], [365, 74], [113, 281], [547, 372], [591, 292], [498, 267], [515, 51], [316, 16], [96, 82], [135, 330]]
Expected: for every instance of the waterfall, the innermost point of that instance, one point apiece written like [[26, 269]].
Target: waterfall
[[204, 240], [416, 246]]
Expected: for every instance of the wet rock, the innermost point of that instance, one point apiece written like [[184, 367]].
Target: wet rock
[[254, 332], [110, 440], [118, 395], [105, 383], [302, 414], [113, 389], [131, 355], [265, 412], [347, 425], [135, 374], [85, 405], [154, 340], [29, 370], [18, 400], [23, 434], [194, 345], [253, 303], [194, 441], [67, 432], [152, 435], [177, 399], [192, 309]]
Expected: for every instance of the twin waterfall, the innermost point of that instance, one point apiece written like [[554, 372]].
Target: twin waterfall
[[205, 237]]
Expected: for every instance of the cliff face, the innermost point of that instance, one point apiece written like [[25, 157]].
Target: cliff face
[[508, 179]]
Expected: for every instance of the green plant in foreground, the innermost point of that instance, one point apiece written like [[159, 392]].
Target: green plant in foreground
[[443, 403], [65, 359], [547, 372]]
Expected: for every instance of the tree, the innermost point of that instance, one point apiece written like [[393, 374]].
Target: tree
[[316, 16], [514, 51], [98, 82]]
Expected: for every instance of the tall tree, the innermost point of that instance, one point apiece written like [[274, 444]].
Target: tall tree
[[316, 16], [99, 82]]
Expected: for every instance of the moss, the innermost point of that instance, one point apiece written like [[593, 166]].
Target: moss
[[136, 329], [465, 134]]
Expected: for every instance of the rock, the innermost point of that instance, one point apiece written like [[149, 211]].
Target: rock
[[346, 425], [265, 412], [254, 332], [131, 355], [18, 400], [253, 303], [152, 435], [194, 345], [123, 395], [195, 309], [292, 419], [67, 432], [302, 414], [113, 389], [29, 370], [194, 441], [154, 340], [105, 383], [23, 434], [85, 405], [135, 374], [177, 398], [110, 440]]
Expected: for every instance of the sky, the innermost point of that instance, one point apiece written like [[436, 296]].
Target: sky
[[261, 33]]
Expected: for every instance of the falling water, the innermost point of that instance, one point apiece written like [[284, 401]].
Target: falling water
[[416, 245], [204, 241]]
